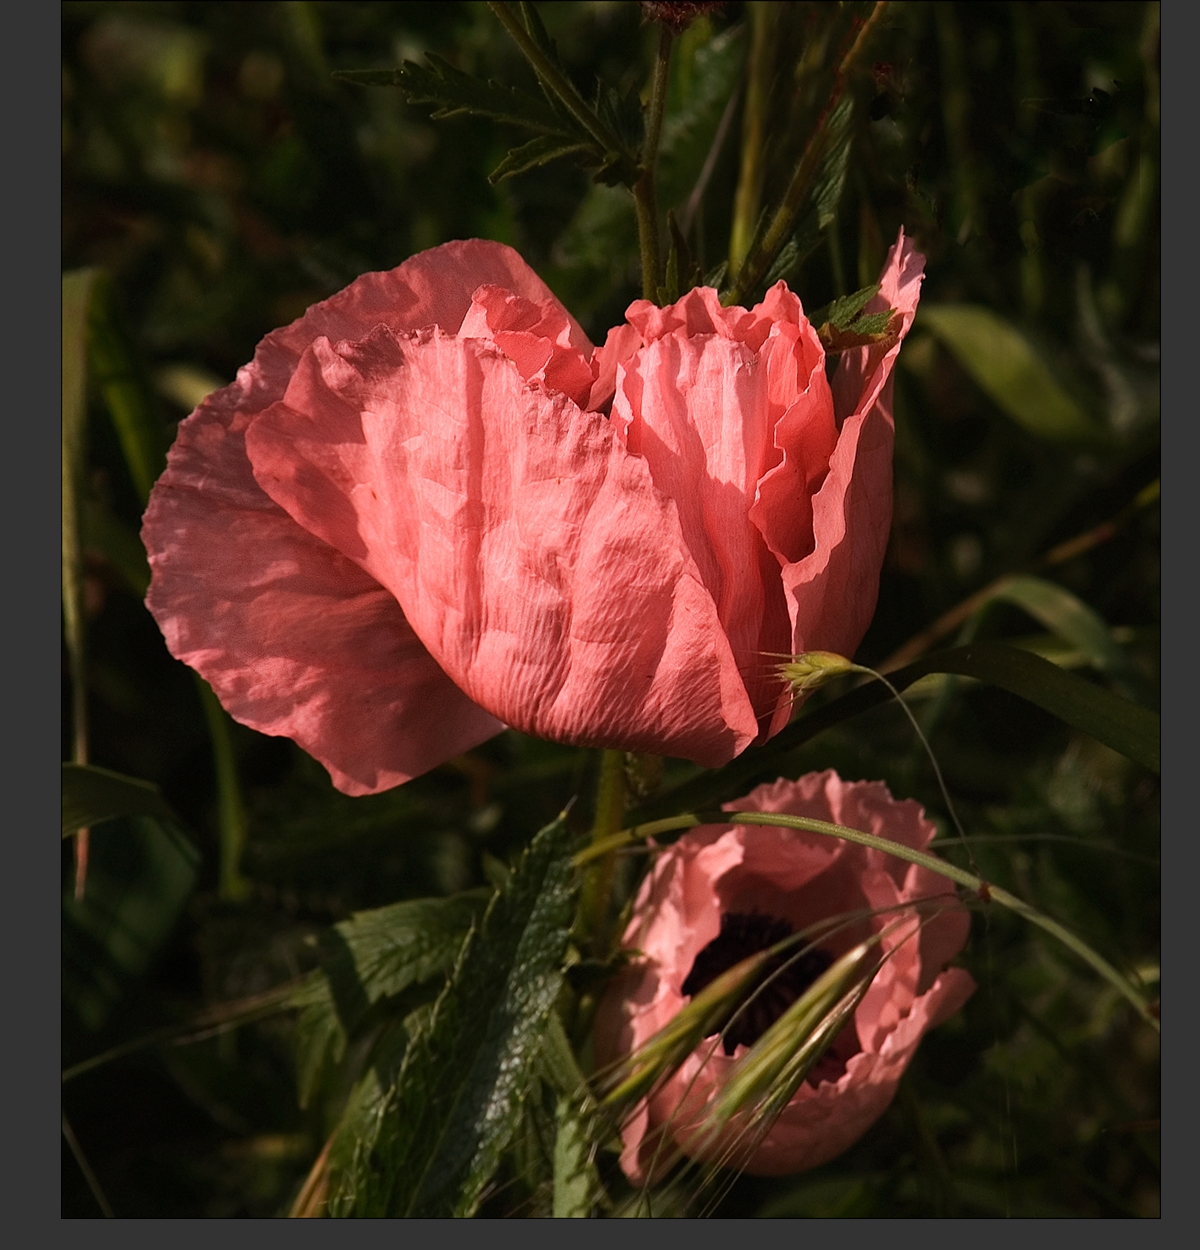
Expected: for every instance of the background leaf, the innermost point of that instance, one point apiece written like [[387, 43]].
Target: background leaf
[[91, 795], [1008, 367]]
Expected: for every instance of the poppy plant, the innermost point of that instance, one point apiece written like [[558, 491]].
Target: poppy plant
[[430, 509], [725, 892]]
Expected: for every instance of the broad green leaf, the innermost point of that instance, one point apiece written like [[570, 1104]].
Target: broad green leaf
[[1132, 730], [1073, 621], [141, 874], [91, 795], [1008, 368], [375, 955], [457, 1099], [693, 115]]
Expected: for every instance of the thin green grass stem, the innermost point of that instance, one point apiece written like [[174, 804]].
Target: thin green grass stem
[[983, 890], [231, 812]]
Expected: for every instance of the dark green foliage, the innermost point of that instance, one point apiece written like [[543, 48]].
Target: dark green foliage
[[438, 1132], [91, 795], [219, 178]]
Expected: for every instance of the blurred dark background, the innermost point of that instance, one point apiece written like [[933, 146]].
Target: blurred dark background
[[224, 180]]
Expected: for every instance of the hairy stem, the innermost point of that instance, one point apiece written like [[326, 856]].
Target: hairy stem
[[644, 195], [555, 79], [610, 811], [748, 197], [769, 245]]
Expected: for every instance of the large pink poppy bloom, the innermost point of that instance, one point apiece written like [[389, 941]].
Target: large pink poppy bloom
[[723, 891], [429, 509]]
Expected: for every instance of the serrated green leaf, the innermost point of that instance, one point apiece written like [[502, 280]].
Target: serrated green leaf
[[91, 795], [873, 325], [538, 152], [454, 93], [375, 955], [841, 312], [387, 949], [1010, 371], [823, 201], [1129, 729], [457, 1100]]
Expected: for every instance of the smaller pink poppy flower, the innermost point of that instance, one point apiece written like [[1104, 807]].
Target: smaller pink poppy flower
[[722, 893]]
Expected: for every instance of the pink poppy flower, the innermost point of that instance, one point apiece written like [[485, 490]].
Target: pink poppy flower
[[723, 892], [429, 508]]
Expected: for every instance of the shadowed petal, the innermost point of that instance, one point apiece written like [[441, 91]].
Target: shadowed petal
[[697, 410], [294, 638]]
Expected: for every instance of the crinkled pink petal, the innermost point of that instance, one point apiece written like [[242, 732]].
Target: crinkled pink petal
[[532, 554], [538, 337], [293, 637], [831, 592], [621, 343], [696, 409]]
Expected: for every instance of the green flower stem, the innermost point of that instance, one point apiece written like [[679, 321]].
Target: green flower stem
[[610, 811], [748, 196], [981, 889], [231, 813], [644, 195], [767, 248], [554, 79]]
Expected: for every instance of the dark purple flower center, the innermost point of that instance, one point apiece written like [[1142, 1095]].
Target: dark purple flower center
[[745, 934]]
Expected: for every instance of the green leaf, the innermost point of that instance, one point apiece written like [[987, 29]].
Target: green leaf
[[457, 1099], [375, 955], [455, 93], [1008, 368], [1072, 620], [1132, 730], [841, 312], [576, 1181], [535, 153], [824, 199], [91, 795], [378, 954], [126, 394], [141, 873]]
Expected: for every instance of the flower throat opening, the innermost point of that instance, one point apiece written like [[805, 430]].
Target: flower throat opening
[[744, 934]]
